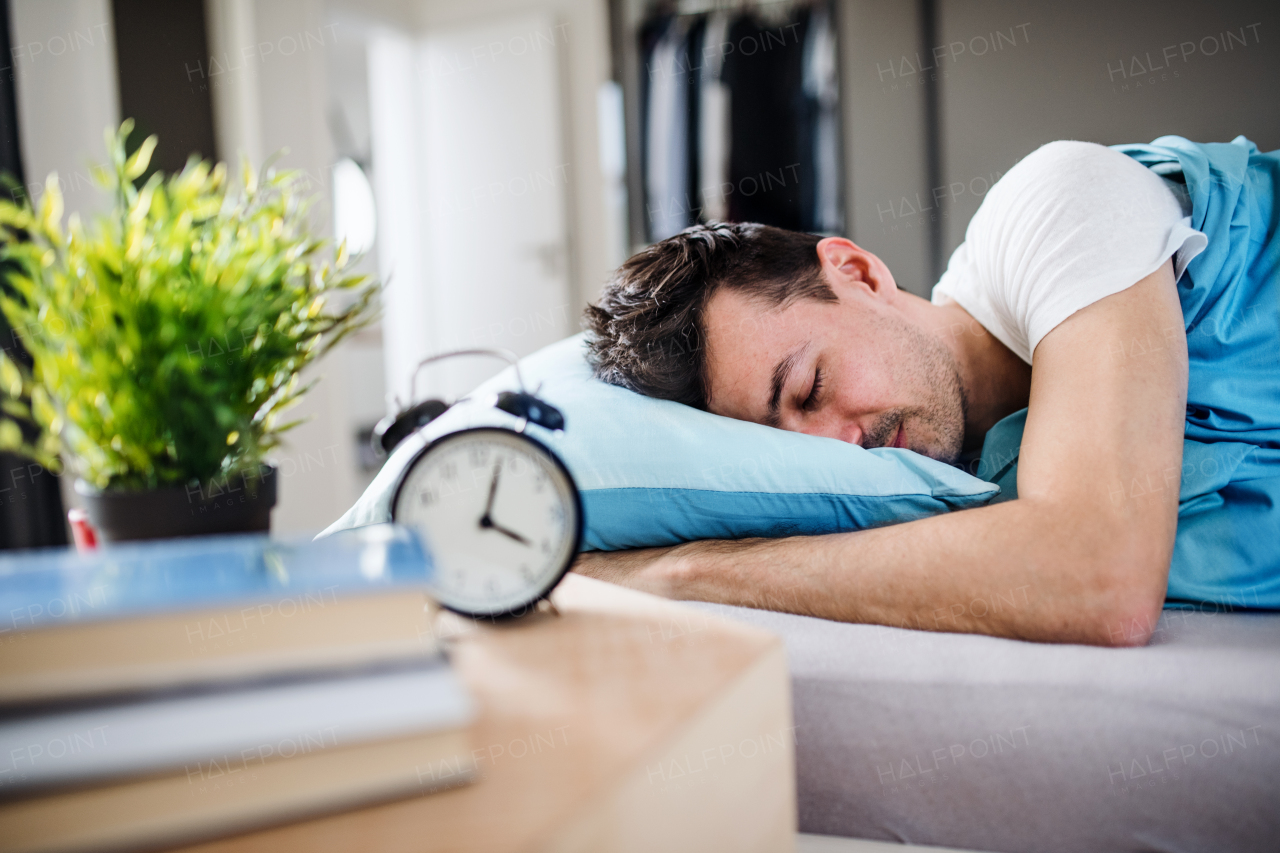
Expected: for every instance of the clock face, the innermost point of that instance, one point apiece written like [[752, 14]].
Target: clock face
[[499, 515]]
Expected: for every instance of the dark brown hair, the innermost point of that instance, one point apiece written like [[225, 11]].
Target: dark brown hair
[[647, 334]]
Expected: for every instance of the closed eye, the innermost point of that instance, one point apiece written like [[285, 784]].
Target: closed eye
[[811, 402]]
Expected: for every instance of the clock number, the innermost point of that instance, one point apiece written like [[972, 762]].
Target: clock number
[[477, 456], [546, 546], [427, 497], [526, 573], [449, 470]]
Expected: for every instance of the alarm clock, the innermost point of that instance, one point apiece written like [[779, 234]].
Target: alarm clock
[[498, 511]]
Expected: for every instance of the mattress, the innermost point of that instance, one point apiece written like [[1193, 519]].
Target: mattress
[[991, 744]]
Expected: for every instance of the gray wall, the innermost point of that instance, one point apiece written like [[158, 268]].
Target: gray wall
[[1060, 70], [884, 135]]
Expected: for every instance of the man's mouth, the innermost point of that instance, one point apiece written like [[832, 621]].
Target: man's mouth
[[900, 439]]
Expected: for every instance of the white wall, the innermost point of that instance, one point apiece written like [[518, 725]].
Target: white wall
[[231, 27], [65, 69], [886, 162]]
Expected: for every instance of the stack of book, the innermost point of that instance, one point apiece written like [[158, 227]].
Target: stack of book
[[157, 693]]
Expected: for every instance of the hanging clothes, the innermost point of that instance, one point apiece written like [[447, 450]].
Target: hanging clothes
[[822, 89], [666, 134], [740, 119], [649, 37], [763, 72], [692, 79], [714, 132]]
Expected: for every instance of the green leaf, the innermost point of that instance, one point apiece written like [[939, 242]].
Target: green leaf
[[50, 212], [137, 164], [10, 436], [43, 409], [10, 377], [15, 408]]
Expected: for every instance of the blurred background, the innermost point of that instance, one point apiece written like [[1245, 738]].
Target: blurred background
[[495, 159]]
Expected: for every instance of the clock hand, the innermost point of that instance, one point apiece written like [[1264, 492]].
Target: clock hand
[[511, 533], [485, 520]]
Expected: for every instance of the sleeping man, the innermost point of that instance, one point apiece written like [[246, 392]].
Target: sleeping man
[[1126, 298]]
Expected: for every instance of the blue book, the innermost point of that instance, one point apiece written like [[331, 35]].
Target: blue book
[[163, 615], [59, 586]]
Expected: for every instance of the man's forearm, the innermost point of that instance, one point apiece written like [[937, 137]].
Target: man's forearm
[[1002, 570]]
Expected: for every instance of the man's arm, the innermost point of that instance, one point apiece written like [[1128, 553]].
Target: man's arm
[[1081, 556]]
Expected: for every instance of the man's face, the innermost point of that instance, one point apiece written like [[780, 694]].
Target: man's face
[[856, 370]]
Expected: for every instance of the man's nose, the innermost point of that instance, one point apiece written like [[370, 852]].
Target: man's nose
[[837, 428]]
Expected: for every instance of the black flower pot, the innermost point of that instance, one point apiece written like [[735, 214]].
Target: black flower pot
[[237, 504]]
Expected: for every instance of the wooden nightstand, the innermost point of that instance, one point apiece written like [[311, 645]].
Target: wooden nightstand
[[624, 723]]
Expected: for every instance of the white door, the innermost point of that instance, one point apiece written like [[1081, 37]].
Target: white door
[[484, 188]]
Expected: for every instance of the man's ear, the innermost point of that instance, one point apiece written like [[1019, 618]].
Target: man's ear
[[846, 264]]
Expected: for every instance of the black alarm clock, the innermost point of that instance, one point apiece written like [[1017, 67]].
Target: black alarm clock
[[498, 511]]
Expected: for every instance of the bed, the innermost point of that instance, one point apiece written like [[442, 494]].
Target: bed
[[1001, 745]]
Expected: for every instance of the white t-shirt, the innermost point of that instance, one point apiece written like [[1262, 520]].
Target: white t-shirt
[[1072, 223]]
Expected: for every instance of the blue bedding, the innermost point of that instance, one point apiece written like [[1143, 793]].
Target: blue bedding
[[1227, 552]]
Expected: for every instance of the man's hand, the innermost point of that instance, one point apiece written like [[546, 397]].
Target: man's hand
[[645, 569], [667, 571], [1081, 556]]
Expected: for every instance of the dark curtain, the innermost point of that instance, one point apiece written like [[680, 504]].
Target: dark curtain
[[768, 125], [166, 73], [30, 501]]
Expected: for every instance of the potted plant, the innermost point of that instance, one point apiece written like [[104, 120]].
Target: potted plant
[[168, 339]]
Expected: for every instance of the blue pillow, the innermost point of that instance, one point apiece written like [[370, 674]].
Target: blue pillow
[[653, 472]]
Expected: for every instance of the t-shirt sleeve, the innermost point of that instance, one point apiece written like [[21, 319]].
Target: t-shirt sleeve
[[1070, 224]]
